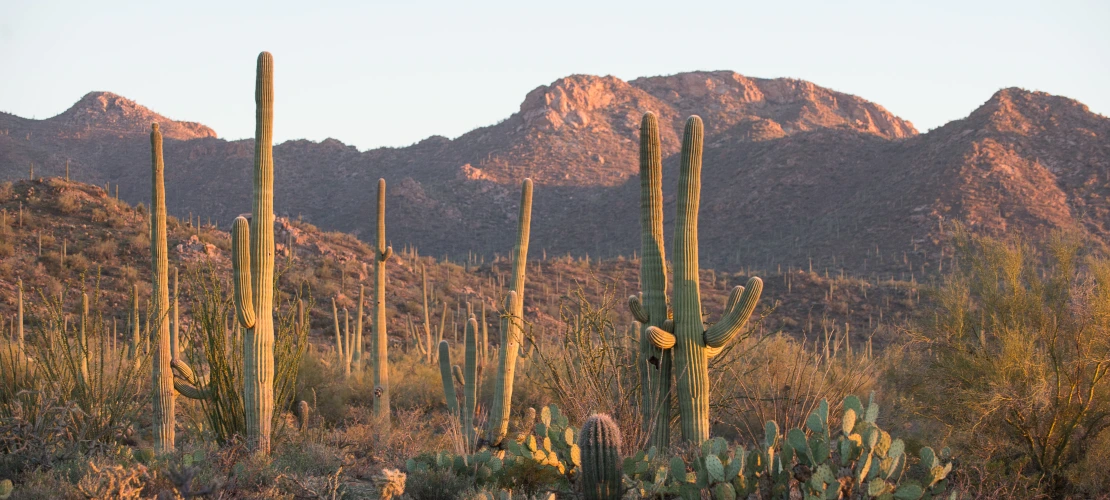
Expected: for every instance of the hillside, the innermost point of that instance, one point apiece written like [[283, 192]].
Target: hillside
[[795, 174], [107, 249]]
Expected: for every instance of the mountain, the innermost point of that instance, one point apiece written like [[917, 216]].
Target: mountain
[[795, 175]]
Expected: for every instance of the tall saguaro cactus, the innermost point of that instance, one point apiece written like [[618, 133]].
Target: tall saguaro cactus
[[693, 344], [381, 338], [163, 395], [254, 271], [512, 323], [654, 364]]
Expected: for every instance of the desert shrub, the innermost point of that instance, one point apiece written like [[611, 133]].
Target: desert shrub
[[6, 191], [592, 366], [1013, 365], [68, 201], [103, 250], [216, 353], [6, 249], [139, 242], [53, 409], [778, 378]]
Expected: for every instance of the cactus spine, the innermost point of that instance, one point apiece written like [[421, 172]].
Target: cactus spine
[[255, 286], [381, 338], [512, 323], [693, 344], [162, 383], [600, 445], [654, 365]]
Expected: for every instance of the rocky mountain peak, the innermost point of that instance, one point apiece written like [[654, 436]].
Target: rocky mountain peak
[[105, 111]]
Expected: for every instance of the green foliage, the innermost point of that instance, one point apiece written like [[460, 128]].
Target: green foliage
[[857, 460], [1013, 365], [219, 351]]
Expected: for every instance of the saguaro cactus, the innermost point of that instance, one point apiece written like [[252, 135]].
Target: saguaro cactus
[[134, 345], [19, 318], [654, 364], [467, 375], [600, 445], [254, 285], [83, 343], [356, 357], [693, 344], [512, 323], [381, 338], [175, 328], [162, 383]]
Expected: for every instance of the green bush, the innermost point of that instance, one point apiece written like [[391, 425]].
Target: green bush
[[1013, 365]]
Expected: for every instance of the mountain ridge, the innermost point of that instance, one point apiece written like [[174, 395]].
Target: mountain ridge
[[794, 173]]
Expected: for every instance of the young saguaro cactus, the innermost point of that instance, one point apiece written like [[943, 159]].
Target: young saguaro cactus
[[134, 345], [381, 338], [356, 357], [600, 445], [253, 270], [693, 344], [654, 364], [468, 373], [512, 323], [162, 377]]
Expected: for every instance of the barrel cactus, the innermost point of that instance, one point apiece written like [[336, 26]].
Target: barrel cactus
[[691, 342], [163, 393], [600, 443]]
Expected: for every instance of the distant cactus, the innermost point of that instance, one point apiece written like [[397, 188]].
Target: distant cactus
[[163, 394], [600, 445], [446, 376], [303, 412], [19, 318], [134, 344], [693, 344], [381, 337], [83, 343], [512, 323], [356, 357], [339, 348]]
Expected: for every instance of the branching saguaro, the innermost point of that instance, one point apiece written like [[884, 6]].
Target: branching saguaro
[[693, 345]]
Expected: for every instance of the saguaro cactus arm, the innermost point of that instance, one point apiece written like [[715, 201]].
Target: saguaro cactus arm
[[240, 272], [741, 304]]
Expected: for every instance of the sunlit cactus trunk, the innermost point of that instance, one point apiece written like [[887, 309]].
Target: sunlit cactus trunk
[[512, 324], [163, 392], [254, 271], [381, 337], [650, 309]]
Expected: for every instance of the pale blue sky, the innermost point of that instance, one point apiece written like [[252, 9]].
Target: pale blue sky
[[391, 73]]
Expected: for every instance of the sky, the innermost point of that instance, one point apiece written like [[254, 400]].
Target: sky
[[376, 74]]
